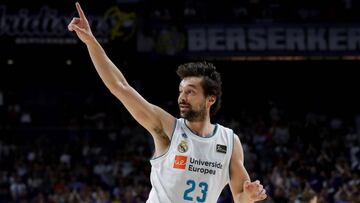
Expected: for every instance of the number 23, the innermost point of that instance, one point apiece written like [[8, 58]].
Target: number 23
[[192, 184]]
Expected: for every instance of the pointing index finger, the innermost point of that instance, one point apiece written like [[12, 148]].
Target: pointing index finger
[[80, 11]]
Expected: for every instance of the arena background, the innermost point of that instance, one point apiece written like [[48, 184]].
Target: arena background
[[290, 91]]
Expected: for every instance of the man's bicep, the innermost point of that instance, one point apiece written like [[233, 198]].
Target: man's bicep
[[150, 116], [238, 173]]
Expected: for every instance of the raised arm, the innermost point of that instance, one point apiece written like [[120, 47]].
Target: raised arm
[[242, 189], [157, 121]]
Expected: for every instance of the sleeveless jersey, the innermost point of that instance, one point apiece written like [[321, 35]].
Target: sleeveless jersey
[[194, 169]]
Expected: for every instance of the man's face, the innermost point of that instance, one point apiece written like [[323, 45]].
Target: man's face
[[192, 102]]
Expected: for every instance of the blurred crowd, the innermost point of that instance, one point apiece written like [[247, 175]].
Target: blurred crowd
[[98, 155]]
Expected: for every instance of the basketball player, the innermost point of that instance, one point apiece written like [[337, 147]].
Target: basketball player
[[193, 159]]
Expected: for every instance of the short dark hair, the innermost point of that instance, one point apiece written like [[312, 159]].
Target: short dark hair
[[211, 80]]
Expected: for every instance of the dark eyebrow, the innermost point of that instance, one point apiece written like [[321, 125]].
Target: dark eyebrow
[[193, 86]]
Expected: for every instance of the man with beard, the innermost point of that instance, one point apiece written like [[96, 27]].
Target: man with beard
[[193, 159]]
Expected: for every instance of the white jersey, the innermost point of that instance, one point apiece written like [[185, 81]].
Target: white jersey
[[194, 169]]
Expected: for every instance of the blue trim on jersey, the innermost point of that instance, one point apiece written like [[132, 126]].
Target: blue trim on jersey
[[172, 134]]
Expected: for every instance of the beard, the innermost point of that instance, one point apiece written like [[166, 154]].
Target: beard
[[193, 115]]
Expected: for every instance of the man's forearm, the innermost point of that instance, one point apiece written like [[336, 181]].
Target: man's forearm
[[242, 198], [108, 72]]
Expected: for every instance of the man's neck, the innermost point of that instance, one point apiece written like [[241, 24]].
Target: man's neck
[[201, 128]]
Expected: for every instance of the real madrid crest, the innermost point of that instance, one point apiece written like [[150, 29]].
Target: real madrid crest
[[183, 146]]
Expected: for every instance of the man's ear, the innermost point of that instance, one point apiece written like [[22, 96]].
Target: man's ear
[[212, 99]]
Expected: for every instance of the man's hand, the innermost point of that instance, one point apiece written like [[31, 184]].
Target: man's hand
[[81, 26], [254, 191]]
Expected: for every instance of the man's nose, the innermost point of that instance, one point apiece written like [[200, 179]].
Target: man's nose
[[182, 97]]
